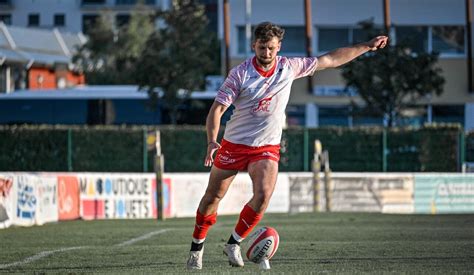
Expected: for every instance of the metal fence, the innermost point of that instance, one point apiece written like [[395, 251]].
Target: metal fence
[[131, 149]]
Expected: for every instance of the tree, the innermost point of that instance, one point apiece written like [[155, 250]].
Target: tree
[[177, 56], [393, 78], [94, 57], [111, 53], [131, 43]]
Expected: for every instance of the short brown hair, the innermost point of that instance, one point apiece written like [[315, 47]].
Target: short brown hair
[[265, 31]]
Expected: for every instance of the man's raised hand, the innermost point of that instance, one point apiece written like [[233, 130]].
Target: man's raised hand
[[378, 42]]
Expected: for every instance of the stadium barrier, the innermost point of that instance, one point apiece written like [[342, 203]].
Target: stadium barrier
[[354, 192], [28, 199], [444, 193]]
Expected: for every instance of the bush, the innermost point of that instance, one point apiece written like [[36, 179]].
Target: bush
[[433, 148]]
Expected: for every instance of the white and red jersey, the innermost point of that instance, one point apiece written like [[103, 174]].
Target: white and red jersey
[[260, 98]]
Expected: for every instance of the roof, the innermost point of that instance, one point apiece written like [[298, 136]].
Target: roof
[[94, 92], [38, 46]]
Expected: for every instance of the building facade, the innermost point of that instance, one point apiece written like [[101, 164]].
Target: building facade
[[69, 15], [431, 25], [79, 15], [32, 58], [47, 19], [434, 25]]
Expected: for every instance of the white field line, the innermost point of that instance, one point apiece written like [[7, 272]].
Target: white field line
[[44, 254], [40, 256], [143, 237]]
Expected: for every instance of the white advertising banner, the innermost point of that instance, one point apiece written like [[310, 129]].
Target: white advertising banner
[[6, 200], [444, 193], [25, 199], [372, 192], [47, 197], [116, 196], [301, 192], [353, 192], [188, 189]]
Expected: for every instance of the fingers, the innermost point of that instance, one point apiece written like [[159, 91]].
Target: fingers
[[208, 161], [382, 42], [378, 43], [210, 152]]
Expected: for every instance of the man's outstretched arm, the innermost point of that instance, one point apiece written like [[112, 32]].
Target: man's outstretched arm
[[343, 55]]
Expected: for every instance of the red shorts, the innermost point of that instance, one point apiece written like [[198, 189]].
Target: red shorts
[[233, 156]]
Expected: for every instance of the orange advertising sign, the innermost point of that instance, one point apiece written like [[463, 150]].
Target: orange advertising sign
[[68, 197]]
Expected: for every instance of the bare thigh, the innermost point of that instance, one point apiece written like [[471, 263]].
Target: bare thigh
[[219, 182], [264, 175]]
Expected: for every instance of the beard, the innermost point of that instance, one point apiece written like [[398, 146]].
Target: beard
[[265, 61]]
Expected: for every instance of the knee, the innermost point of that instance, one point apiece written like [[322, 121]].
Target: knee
[[263, 198]]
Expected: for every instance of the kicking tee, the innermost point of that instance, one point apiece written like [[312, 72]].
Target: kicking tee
[[260, 98]]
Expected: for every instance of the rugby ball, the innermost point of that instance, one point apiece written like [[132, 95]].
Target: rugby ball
[[262, 244]]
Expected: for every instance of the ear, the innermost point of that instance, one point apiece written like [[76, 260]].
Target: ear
[[279, 46], [253, 46]]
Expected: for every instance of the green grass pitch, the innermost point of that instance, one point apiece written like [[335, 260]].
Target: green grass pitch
[[310, 243]]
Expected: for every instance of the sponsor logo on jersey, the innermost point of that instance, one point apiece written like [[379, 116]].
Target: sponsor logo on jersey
[[263, 105]]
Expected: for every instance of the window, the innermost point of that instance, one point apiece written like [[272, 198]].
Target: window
[[448, 39], [332, 38], [296, 115], [366, 120], [134, 2], [3, 80], [33, 19], [6, 18], [88, 22], [448, 113], [242, 44], [415, 37], [93, 2], [294, 40], [122, 19], [59, 20], [335, 115], [293, 43], [362, 35]]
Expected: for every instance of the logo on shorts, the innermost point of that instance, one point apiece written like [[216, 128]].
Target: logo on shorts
[[269, 154], [225, 159]]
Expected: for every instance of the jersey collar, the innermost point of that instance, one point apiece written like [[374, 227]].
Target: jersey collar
[[261, 71]]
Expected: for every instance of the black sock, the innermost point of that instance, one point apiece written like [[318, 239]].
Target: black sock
[[197, 246], [232, 240]]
